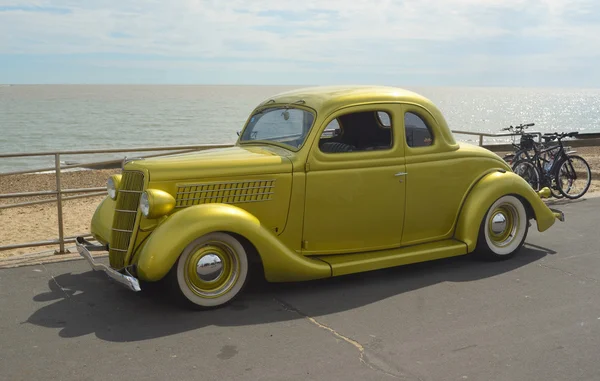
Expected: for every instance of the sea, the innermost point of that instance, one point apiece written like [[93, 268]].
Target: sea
[[35, 118]]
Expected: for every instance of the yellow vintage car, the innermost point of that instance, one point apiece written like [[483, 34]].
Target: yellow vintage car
[[321, 182]]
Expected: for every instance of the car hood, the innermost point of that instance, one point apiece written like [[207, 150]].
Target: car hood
[[219, 162]]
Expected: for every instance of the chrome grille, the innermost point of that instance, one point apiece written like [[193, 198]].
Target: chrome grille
[[128, 198], [224, 192]]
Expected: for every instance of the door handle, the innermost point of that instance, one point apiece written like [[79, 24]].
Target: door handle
[[401, 174]]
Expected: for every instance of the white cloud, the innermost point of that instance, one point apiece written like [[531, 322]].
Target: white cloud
[[438, 35]]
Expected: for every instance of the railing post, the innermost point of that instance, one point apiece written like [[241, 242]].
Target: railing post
[[61, 235], [480, 140]]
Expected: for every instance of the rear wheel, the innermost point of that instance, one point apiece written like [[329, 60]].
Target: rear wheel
[[211, 271], [573, 177], [509, 158], [554, 190], [513, 158], [528, 172], [503, 229]]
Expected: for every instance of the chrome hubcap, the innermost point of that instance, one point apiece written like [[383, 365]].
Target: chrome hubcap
[[502, 225], [212, 269], [209, 267], [499, 223]]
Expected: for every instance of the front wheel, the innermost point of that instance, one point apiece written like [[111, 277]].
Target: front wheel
[[573, 177], [503, 229], [210, 272]]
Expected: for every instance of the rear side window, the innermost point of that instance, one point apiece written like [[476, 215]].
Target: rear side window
[[418, 133], [358, 131]]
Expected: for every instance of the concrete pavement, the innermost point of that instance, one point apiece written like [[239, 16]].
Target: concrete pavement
[[534, 317]]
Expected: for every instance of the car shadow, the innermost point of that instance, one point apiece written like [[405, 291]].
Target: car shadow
[[540, 248], [566, 201], [89, 303]]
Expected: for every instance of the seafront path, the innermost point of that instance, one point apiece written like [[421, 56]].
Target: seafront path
[[533, 317]]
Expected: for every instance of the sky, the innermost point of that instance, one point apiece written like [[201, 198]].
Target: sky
[[515, 43]]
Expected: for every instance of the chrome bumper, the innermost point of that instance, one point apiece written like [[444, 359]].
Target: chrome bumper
[[558, 214], [84, 247]]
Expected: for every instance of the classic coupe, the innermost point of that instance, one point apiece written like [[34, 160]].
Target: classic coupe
[[321, 182]]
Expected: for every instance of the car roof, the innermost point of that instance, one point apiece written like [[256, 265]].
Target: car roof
[[327, 99], [322, 97]]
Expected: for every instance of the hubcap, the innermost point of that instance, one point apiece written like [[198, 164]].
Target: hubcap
[[499, 223], [502, 225], [209, 267], [212, 269]]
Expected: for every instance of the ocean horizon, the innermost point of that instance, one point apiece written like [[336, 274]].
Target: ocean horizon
[[63, 117]]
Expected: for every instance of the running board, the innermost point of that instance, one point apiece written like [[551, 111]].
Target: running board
[[343, 264]]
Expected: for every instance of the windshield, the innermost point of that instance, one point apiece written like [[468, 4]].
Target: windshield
[[288, 126]]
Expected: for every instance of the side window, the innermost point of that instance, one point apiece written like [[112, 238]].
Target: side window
[[384, 119], [358, 131], [418, 134]]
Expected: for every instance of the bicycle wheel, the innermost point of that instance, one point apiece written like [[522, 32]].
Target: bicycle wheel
[[528, 172], [554, 190], [513, 158], [573, 177], [549, 179], [509, 158]]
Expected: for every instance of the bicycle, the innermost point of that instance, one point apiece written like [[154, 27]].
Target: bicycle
[[554, 167], [522, 152], [519, 150]]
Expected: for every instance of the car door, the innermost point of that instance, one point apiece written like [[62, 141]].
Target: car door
[[355, 182], [438, 179]]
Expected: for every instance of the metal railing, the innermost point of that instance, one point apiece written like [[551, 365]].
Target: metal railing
[[98, 191], [499, 135], [581, 140], [80, 192]]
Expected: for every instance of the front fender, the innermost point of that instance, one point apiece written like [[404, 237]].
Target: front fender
[[483, 194], [162, 249], [102, 220]]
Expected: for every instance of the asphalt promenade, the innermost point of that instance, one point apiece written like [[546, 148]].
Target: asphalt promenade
[[534, 317]]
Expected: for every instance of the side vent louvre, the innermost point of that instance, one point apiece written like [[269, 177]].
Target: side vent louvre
[[225, 192]]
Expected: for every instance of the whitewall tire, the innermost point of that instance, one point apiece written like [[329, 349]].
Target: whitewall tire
[[503, 229], [211, 271]]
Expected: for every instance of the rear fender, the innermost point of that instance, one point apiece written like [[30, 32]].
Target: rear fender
[[162, 248], [487, 190]]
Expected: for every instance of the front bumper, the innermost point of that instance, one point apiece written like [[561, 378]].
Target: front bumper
[[84, 247]]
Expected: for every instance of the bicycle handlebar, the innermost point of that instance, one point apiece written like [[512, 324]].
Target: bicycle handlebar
[[520, 127], [562, 135]]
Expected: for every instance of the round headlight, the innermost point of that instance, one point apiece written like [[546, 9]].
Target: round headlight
[[111, 188], [155, 203], [145, 204]]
